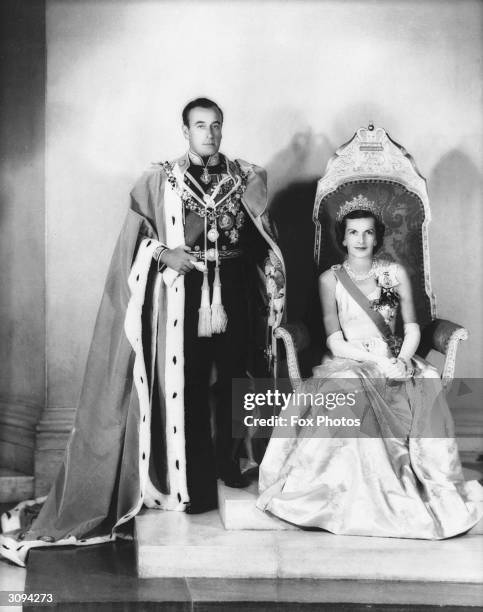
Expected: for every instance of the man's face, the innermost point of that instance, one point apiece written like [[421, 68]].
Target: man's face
[[204, 131]]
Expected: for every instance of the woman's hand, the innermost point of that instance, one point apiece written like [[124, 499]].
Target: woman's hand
[[393, 368]]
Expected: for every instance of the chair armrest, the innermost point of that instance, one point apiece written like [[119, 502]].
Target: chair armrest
[[299, 333], [438, 335], [295, 338], [443, 336]]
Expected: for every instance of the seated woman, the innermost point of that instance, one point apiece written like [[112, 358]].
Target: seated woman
[[380, 459]]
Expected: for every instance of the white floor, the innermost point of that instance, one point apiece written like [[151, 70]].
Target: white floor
[[173, 544], [11, 579]]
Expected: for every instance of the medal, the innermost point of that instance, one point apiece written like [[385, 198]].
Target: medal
[[205, 176], [212, 235], [225, 221], [233, 235], [240, 219]]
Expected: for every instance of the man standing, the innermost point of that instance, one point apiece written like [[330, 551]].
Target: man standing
[[222, 202], [181, 296]]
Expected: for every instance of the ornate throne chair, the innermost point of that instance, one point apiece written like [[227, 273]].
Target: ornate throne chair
[[372, 164]]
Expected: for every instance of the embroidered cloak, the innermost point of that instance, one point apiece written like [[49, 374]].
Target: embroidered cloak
[[136, 354]]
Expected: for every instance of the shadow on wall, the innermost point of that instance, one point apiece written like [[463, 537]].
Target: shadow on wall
[[455, 186], [292, 178], [23, 279], [7, 295], [304, 158]]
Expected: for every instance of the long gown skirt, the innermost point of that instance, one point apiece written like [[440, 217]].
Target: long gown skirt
[[396, 475]]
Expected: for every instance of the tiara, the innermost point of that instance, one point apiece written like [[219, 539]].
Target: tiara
[[359, 202]]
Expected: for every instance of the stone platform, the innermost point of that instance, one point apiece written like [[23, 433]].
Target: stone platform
[[172, 544], [238, 510]]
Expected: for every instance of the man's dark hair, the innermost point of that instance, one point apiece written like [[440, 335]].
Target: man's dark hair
[[379, 227], [199, 103]]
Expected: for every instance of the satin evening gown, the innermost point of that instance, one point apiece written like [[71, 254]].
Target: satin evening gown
[[396, 475]]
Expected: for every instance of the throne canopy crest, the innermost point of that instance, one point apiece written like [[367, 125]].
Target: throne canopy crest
[[373, 166]]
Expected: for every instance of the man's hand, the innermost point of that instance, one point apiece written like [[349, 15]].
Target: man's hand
[[179, 259]]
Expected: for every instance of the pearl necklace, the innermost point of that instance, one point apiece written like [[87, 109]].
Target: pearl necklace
[[360, 277]]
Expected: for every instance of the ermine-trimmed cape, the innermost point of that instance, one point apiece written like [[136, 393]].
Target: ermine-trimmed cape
[[104, 479]]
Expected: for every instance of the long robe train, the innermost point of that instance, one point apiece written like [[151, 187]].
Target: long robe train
[[137, 351]]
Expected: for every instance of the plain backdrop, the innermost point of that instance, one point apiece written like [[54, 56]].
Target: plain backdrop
[[295, 79]]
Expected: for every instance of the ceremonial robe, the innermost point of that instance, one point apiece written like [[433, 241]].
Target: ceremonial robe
[[134, 380]]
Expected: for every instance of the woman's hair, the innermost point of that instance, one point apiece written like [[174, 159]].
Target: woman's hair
[[340, 227]]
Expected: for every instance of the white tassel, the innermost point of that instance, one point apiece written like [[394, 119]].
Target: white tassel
[[219, 318], [204, 312]]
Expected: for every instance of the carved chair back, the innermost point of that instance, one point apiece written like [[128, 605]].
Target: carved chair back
[[373, 165]]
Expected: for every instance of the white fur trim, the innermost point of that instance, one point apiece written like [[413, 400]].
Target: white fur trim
[[174, 357], [133, 328], [170, 276], [17, 550], [10, 520], [174, 364]]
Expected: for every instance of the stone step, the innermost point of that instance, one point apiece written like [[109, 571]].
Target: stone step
[[15, 486], [174, 544], [238, 510]]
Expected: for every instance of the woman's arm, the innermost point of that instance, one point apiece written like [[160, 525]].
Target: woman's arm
[[412, 334], [338, 346], [336, 343]]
